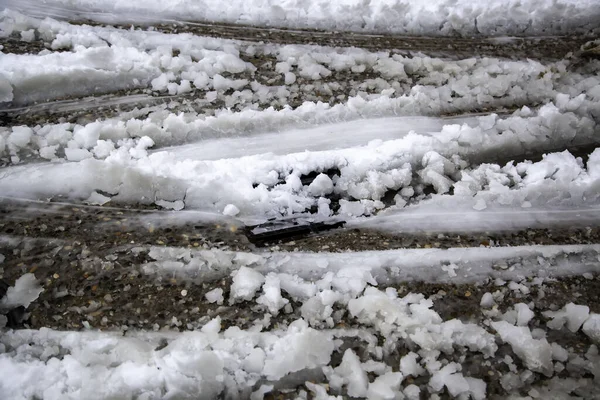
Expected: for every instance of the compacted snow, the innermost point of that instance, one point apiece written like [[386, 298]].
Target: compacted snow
[[434, 17], [386, 155]]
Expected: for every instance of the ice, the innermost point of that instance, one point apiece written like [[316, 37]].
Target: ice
[[215, 296], [6, 90], [450, 377], [77, 154], [409, 365], [591, 327], [559, 353], [321, 186], [97, 199], [25, 290], [255, 361], [536, 354], [246, 283], [47, 152], [259, 394], [302, 348], [524, 314], [487, 300], [213, 326], [176, 205], [573, 315], [271, 297], [320, 392], [352, 375], [231, 210], [20, 136], [412, 392], [480, 205], [385, 386]]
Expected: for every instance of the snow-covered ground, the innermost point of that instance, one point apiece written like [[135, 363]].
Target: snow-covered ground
[[414, 17], [382, 141]]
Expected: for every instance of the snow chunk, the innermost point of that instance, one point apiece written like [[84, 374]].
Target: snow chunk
[[255, 361], [385, 386], [246, 282], [231, 210], [591, 327], [6, 90], [176, 205], [47, 152], [271, 297], [321, 186], [97, 199], [77, 154], [351, 208], [301, 348], [524, 314], [20, 136], [480, 205], [559, 353], [352, 374], [536, 354], [487, 300], [213, 326], [451, 378], [215, 296], [26, 290], [410, 366], [259, 394], [572, 314], [412, 392]]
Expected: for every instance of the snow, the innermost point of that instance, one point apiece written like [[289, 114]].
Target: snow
[[271, 297], [25, 290], [387, 138], [302, 348], [350, 374], [97, 199], [573, 315], [409, 365], [536, 354], [231, 210], [524, 314], [366, 174], [487, 300], [438, 17], [591, 327], [350, 272], [246, 282], [215, 296]]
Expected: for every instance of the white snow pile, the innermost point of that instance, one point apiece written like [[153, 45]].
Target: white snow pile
[[178, 64], [438, 17], [349, 271], [107, 59], [236, 363], [210, 362], [267, 185]]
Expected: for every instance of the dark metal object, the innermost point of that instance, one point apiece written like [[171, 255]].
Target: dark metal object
[[275, 231]]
